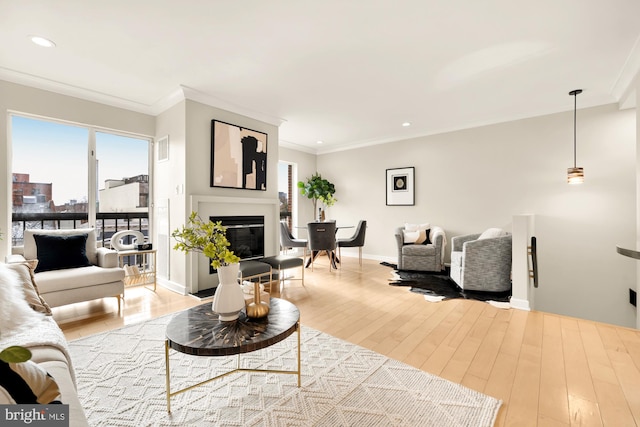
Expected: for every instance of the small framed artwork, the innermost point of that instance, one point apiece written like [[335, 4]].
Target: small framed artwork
[[401, 187], [238, 157]]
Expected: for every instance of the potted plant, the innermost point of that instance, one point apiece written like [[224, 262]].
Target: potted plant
[[210, 239], [317, 189]]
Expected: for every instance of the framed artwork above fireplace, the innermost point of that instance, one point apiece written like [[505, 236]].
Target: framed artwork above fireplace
[[238, 157]]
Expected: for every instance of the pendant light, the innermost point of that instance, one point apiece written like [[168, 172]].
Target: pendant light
[[575, 175]]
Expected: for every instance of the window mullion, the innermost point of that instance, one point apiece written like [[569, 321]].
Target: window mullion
[[93, 179]]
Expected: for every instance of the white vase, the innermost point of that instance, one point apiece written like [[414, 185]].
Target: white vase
[[228, 300]]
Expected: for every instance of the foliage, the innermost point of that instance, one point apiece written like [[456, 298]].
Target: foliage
[[15, 354], [206, 237], [317, 188]]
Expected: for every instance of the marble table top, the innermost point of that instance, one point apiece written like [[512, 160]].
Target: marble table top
[[198, 331]]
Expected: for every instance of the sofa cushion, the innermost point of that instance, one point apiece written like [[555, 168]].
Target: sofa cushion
[[74, 278], [27, 382], [60, 252], [492, 233], [30, 250], [416, 233], [456, 259], [419, 250], [24, 270]]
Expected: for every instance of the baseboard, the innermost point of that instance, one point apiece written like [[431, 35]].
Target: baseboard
[[172, 286], [520, 304]]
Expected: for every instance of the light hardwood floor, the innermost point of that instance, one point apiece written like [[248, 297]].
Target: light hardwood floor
[[548, 370]]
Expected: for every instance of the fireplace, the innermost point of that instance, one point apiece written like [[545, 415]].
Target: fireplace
[[246, 235]]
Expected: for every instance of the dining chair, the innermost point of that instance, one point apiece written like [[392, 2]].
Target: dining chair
[[355, 241], [322, 237], [288, 241]]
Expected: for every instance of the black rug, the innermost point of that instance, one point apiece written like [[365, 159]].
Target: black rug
[[439, 284]]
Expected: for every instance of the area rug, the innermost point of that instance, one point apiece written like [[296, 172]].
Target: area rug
[[121, 382], [438, 286]]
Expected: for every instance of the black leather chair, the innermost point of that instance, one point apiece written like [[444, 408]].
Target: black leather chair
[[322, 237], [355, 241], [287, 240]]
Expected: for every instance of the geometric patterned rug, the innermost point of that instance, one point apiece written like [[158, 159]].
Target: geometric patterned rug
[[121, 382]]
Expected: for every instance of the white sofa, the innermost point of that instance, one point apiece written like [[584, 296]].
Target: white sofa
[[30, 324], [101, 277]]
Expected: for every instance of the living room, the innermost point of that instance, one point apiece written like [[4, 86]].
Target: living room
[[467, 179], [495, 181]]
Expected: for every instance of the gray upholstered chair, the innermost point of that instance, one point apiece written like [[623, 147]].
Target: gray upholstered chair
[[482, 262], [355, 241], [288, 241], [322, 237], [422, 257]]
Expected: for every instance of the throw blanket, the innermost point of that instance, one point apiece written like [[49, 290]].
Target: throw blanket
[[45, 333]]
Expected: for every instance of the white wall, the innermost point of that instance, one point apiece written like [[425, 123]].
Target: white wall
[[187, 177], [470, 180], [24, 99], [169, 179]]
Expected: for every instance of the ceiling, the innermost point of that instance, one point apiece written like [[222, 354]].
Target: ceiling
[[345, 72]]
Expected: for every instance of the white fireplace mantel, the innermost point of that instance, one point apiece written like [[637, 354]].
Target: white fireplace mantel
[[198, 265]]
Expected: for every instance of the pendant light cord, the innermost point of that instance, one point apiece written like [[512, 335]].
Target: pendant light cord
[[575, 106], [575, 94]]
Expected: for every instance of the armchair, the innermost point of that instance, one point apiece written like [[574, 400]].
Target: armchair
[[482, 262], [421, 257]]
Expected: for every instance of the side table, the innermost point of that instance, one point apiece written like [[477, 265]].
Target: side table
[[141, 270]]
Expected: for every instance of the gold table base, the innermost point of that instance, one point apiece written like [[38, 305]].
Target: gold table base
[[170, 394]]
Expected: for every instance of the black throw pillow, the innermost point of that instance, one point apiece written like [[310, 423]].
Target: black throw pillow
[[59, 252], [27, 383], [427, 240]]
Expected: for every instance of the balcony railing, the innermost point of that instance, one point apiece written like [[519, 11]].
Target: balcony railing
[[106, 223]]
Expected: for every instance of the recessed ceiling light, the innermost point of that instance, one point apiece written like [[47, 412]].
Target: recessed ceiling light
[[319, 142], [41, 41], [406, 124]]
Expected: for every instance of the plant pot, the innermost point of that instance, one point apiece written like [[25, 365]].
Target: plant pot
[[228, 300]]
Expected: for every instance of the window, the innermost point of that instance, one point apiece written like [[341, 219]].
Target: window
[[72, 176], [286, 191]]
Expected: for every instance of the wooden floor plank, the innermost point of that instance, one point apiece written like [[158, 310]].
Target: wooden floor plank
[[583, 403], [553, 405], [523, 402], [627, 370], [485, 357]]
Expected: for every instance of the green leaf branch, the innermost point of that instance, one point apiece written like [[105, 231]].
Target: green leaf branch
[[206, 237]]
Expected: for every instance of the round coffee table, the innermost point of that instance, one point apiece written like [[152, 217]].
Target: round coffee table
[[197, 331]]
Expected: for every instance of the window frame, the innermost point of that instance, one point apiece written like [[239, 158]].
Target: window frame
[[92, 190]]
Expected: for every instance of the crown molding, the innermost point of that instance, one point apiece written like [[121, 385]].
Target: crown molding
[[164, 103], [70, 90], [624, 89], [185, 92], [297, 147]]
